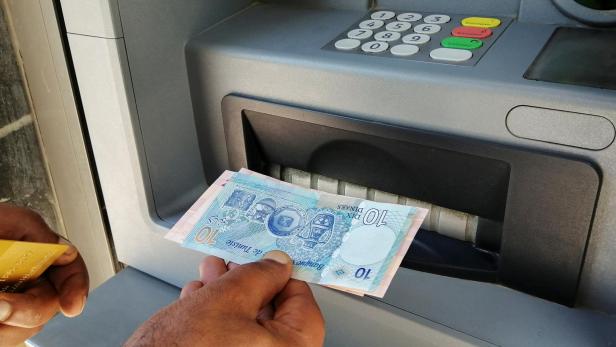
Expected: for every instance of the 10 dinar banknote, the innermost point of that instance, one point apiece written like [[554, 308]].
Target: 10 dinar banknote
[[346, 243]]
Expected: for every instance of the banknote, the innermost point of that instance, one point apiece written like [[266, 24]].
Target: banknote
[[346, 243], [395, 264]]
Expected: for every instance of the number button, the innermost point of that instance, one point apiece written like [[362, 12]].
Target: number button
[[409, 17], [427, 28], [347, 44], [416, 39], [404, 50], [387, 36], [437, 19], [374, 47], [371, 24], [384, 15], [398, 26], [359, 34]]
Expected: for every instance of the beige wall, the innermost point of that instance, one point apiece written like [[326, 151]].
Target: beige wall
[[38, 41]]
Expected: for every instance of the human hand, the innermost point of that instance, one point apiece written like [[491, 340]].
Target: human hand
[[63, 287], [255, 304]]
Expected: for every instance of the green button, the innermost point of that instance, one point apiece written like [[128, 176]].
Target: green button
[[461, 43]]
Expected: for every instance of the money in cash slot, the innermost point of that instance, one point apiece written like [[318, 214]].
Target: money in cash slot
[[441, 225], [458, 225], [492, 207], [346, 243]]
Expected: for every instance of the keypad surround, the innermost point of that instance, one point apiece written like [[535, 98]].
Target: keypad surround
[[387, 33]]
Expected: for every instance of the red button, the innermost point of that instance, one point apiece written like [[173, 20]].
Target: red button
[[472, 32]]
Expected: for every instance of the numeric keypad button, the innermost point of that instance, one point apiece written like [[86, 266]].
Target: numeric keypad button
[[359, 34], [398, 26], [451, 55], [347, 44], [387, 36], [404, 50], [416, 39], [383, 15], [409, 17], [437, 19], [375, 47], [371, 24], [427, 28]]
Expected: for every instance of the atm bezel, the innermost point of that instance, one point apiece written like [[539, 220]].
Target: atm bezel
[[528, 259]]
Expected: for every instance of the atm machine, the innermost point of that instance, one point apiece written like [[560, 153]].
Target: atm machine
[[501, 111]]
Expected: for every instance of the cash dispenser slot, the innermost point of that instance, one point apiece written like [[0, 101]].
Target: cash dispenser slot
[[537, 207], [449, 242]]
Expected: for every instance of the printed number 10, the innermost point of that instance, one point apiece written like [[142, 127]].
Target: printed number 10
[[374, 216], [363, 273]]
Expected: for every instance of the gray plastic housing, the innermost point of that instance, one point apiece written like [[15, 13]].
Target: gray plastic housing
[[280, 61], [148, 188], [155, 34], [584, 14], [109, 318], [529, 193]]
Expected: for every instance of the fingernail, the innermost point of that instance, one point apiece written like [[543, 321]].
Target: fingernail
[[278, 256], [83, 304], [5, 310], [70, 251], [71, 313]]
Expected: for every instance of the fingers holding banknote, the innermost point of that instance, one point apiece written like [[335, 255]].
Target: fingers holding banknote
[[283, 306], [190, 287], [210, 269], [233, 306]]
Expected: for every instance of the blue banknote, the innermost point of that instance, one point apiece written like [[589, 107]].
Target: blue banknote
[[333, 240]]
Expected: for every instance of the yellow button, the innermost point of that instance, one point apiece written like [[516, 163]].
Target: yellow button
[[481, 22]]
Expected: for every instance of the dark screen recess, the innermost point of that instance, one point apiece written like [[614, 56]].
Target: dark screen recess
[[601, 5], [583, 57]]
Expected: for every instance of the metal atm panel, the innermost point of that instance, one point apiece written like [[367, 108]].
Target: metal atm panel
[[278, 61]]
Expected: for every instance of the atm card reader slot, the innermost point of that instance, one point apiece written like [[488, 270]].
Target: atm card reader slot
[[541, 205]]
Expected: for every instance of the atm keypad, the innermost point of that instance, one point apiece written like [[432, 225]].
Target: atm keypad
[[347, 44], [360, 34], [398, 26], [387, 36], [371, 24], [437, 19], [374, 47], [431, 37], [416, 39], [410, 17], [383, 15], [451, 54], [404, 50]]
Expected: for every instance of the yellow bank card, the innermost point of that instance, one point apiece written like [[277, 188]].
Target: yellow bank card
[[23, 262]]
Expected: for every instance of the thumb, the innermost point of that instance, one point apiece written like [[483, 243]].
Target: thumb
[[251, 286], [67, 257]]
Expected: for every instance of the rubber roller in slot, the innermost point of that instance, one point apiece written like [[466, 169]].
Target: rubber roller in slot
[[451, 223]]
